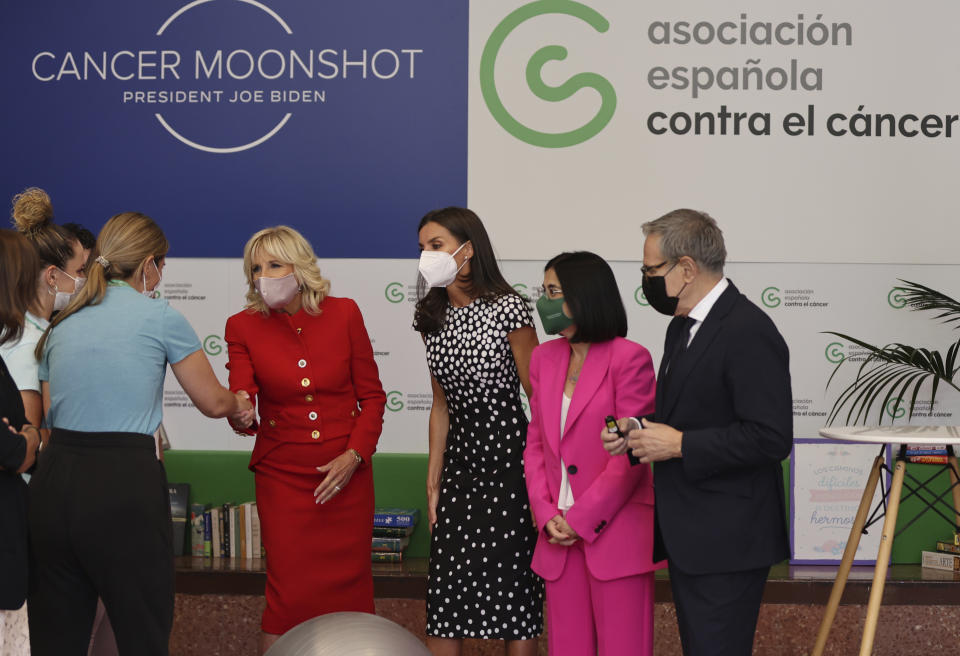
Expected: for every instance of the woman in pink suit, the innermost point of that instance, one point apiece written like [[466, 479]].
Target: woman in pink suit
[[594, 511]]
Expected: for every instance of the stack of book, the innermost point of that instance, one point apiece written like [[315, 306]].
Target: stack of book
[[179, 498], [227, 531], [931, 454], [946, 557], [392, 528]]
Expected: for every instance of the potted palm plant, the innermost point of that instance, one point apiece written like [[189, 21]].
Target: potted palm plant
[[895, 373]]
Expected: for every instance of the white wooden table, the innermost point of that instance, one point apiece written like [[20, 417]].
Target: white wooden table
[[899, 436]]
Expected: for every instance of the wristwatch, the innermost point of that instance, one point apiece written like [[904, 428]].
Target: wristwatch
[[356, 454]]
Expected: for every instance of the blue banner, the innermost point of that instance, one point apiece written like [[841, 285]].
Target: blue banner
[[346, 120]]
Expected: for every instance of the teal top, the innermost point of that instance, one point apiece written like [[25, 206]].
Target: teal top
[[106, 363]]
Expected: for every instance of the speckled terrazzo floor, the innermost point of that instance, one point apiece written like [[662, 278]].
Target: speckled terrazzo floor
[[228, 625]]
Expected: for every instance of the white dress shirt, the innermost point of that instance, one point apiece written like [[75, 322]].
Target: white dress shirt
[[698, 314], [702, 309]]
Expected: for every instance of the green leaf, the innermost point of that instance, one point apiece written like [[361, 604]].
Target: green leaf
[[921, 297], [891, 371]]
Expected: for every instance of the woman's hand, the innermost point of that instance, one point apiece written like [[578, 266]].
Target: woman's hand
[[31, 434], [612, 442], [433, 496], [243, 417], [338, 473], [560, 531]]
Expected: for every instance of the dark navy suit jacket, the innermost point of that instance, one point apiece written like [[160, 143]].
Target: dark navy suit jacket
[[720, 508]]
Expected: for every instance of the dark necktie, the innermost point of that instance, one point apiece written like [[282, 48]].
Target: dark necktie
[[679, 345]]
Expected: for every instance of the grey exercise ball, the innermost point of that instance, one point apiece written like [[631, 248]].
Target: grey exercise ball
[[348, 634]]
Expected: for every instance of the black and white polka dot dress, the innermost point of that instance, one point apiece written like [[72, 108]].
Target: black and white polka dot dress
[[481, 584]]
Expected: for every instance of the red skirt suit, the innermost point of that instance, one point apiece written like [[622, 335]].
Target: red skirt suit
[[318, 393]]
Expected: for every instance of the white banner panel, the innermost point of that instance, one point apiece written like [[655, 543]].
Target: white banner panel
[[811, 133], [804, 300], [862, 301]]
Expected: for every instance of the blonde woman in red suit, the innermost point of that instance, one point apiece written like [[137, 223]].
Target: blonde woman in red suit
[[306, 361], [594, 511]]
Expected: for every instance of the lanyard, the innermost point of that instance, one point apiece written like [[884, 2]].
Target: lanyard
[[34, 323]]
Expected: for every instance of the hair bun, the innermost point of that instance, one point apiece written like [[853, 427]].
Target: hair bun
[[32, 210]]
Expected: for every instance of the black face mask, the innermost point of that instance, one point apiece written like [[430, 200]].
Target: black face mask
[[655, 289]]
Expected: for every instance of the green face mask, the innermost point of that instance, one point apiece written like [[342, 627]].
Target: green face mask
[[552, 316]]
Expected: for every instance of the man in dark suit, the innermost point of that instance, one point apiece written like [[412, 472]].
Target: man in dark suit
[[723, 423]]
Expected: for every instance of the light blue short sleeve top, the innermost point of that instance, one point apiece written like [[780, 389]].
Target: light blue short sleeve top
[[19, 356], [106, 363]]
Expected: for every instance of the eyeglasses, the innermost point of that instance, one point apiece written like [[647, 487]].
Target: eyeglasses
[[550, 291], [647, 269]]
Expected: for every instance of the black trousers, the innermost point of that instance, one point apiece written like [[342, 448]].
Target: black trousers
[[99, 521], [717, 613]]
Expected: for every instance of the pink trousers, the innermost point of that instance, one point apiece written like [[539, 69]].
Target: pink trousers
[[589, 617]]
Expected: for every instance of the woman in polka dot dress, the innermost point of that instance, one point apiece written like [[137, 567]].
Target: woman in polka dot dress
[[479, 335]]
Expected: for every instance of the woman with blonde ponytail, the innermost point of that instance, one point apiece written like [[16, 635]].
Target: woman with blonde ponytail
[[102, 365]]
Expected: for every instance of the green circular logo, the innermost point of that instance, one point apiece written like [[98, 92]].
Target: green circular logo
[[895, 298], [394, 401], [639, 297], [394, 292], [535, 81], [771, 297], [212, 345], [895, 408], [834, 352]]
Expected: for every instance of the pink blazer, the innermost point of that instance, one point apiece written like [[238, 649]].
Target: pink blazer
[[613, 502]]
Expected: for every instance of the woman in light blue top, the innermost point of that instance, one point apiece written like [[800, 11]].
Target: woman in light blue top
[[99, 513], [61, 277], [61, 261]]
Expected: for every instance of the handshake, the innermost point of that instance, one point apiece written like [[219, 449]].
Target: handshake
[[244, 415]]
